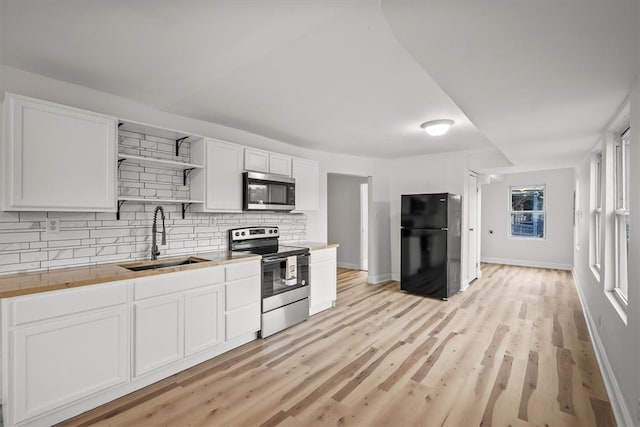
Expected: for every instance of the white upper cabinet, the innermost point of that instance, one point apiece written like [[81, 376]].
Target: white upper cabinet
[[57, 158], [279, 164], [266, 162], [220, 183], [256, 160], [307, 176]]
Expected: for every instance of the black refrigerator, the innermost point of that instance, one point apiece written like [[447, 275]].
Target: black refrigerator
[[431, 247]]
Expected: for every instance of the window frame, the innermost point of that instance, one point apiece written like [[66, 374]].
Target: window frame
[[620, 217], [543, 212], [596, 214]]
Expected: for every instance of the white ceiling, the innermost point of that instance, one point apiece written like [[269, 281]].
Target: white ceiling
[[540, 79], [350, 76]]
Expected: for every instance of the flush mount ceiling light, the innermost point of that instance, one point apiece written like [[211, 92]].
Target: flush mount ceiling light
[[437, 127]]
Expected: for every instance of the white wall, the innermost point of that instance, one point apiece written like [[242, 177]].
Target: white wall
[[343, 217], [617, 340], [556, 249]]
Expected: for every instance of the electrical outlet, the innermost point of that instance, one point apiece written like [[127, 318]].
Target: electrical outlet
[[52, 226]]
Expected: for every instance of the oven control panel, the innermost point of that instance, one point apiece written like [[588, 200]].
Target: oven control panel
[[250, 233]]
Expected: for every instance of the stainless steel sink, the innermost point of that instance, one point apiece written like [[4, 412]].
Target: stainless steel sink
[[165, 264]]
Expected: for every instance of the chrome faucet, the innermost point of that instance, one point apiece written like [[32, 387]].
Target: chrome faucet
[[154, 230]]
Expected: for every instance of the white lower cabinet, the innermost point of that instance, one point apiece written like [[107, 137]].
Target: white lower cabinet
[[323, 278], [204, 319], [177, 315], [65, 352], [159, 333], [57, 361], [242, 307]]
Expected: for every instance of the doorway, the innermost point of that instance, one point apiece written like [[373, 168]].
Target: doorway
[[472, 266], [348, 219]]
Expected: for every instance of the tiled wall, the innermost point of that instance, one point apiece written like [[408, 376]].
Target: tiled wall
[[92, 238]]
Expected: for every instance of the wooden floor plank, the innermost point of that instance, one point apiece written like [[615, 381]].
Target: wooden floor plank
[[513, 349]]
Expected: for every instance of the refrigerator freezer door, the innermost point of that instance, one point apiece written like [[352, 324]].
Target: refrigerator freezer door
[[423, 256], [424, 210]]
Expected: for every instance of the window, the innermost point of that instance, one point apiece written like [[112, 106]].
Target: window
[[527, 211], [597, 211], [621, 217]]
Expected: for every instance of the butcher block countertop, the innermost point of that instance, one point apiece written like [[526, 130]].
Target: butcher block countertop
[[30, 283], [313, 246]]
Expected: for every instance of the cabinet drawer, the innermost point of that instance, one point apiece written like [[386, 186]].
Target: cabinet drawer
[[47, 305], [242, 270], [242, 292], [163, 284], [323, 255], [243, 320]]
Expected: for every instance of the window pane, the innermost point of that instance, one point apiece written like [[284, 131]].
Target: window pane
[[597, 183], [527, 199], [621, 253], [627, 174], [596, 242], [527, 224], [619, 177]]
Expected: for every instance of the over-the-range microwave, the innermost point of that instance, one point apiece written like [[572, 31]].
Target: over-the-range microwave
[[268, 192]]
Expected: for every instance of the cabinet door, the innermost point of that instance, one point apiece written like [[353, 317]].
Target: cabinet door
[[242, 299], [256, 160], [279, 164], [58, 158], [159, 333], [224, 176], [204, 318], [307, 175], [61, 361], [323, 278], [242, 320]]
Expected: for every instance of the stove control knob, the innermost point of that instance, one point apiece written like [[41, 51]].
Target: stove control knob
[[243, 233], [270, 231], [275, 231], [237, 233]]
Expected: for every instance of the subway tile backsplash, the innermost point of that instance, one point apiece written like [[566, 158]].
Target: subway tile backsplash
[[94, 238]]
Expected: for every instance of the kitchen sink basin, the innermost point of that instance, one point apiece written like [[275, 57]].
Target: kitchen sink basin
[[157, 265]]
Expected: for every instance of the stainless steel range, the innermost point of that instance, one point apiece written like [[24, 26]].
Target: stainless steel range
[[285, 276]]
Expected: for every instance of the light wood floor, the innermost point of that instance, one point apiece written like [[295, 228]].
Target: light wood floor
[[511, 350]]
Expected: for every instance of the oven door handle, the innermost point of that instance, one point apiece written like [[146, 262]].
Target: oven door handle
[[274, 260]]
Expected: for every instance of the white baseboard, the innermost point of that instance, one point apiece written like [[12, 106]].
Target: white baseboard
[[618, 404], [527, 263], [378, 279], [348, 265]]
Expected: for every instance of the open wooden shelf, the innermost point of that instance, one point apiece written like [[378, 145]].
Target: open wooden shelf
[[149, 161]]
